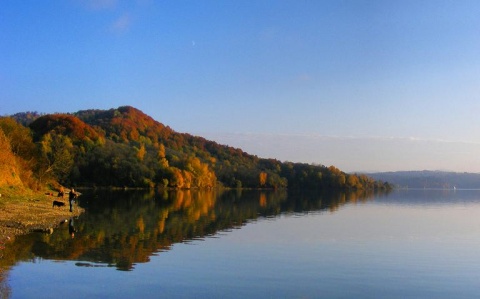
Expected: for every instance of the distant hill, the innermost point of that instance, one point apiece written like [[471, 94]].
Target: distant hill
[[26, 118], [124, 147], [430, 179]]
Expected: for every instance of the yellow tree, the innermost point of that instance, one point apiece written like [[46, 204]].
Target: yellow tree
[[203, 177], [57, 156], [162, 156], [177, 179], [263, 178], [353, 182], [141, 152]]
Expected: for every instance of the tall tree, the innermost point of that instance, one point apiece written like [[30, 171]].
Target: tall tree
[[57, 158]]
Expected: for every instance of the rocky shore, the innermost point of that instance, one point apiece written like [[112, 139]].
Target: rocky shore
[[22, 213]]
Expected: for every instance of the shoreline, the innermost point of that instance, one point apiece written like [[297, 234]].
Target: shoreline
[[24, 212]]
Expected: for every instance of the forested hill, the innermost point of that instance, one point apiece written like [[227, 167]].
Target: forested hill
[[127, 148]]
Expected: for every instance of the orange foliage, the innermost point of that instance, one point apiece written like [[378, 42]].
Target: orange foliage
[[65, 124], [263, 178], [263, 200], [127, 123], [8, 170]]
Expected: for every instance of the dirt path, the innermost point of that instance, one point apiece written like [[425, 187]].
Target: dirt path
[[21, 214]]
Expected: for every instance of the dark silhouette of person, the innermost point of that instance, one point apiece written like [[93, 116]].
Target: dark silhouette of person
[[71, 228], [71, 198]]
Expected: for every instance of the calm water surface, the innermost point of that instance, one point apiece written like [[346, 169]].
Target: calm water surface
[[407, 244]]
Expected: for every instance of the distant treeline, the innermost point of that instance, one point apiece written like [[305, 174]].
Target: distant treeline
[[430, 179], [123, 147]]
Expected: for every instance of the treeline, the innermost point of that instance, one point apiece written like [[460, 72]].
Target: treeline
[[431, 179], [123, 147]]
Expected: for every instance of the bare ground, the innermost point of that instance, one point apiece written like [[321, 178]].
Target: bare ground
[[21, 213]]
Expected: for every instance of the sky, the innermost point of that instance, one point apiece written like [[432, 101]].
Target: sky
[[362, 85]]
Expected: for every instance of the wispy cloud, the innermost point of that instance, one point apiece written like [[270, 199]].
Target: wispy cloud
[[123, 19], [121, 24], [314, 136], [323, 136], [359, 153]]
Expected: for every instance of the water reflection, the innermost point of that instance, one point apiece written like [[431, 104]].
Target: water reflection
[[123, 228], [5, 290]]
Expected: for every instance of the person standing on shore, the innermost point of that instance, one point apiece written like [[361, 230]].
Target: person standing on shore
[[71, 198]]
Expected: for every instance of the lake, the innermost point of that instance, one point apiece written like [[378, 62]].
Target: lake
[[252, 244]]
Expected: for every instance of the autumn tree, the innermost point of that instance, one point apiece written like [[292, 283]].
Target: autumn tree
[[263, 178], [23, 149], [56, 156], [161, 156], [20, 138], [141, 152], [353, 182], [8, 171]]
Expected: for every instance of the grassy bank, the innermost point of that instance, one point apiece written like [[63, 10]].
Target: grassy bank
[[23, 211]]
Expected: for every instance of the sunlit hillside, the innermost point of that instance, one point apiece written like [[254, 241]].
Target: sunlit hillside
[[124, 147], [9, 174]]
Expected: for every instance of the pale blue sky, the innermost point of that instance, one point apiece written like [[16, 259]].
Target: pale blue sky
[[363, 85]]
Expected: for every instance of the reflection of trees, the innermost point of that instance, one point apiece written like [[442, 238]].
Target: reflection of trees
[[332, 201], [5, 290], [124, 228], [9, 254]]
